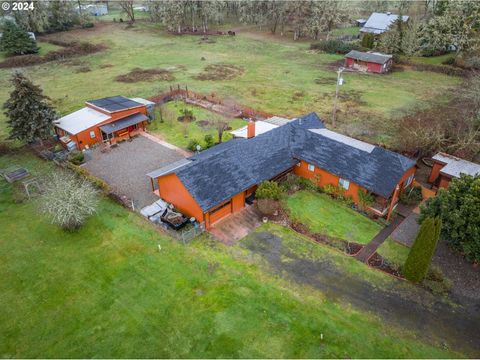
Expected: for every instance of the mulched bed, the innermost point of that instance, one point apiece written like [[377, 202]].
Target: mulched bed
[[137, 75], [377, 261], [71, 49], [350, 248], [220, 72]]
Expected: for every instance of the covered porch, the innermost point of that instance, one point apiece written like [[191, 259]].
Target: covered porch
[[124, 128]]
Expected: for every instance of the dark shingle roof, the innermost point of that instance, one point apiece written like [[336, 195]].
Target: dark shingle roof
[[369, 57], [114, 103], [217, 174], [225, 170], [377, 171]]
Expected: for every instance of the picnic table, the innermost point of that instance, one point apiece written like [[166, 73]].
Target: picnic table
[[15, 173]]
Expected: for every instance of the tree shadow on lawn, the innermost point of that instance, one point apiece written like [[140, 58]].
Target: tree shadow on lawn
[[399, 303]]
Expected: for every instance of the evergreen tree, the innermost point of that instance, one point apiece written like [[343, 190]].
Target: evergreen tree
[[421, 253], [29, 113], [61, 15], [16, 41], [459, 208]]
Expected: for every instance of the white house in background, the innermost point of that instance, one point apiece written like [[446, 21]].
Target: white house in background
[[261, 127], [378, 23], [95, 9]]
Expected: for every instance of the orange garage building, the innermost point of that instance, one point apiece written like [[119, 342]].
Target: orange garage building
[[106, 120]]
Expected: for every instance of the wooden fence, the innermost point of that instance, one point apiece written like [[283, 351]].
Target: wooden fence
[[208, 101]]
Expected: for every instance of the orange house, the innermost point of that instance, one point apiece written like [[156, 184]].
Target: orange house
[[106, 120], [446, 167], [220, 181]]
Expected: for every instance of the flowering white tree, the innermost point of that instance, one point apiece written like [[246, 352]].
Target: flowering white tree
[[68, 200]]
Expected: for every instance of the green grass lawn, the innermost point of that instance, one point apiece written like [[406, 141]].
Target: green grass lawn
[[352, 30], [180, 133], [433, 60], [283, 78], [394, 252], [109, 291], [322, 214]]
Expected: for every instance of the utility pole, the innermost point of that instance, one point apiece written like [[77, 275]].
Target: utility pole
[[339, 82]]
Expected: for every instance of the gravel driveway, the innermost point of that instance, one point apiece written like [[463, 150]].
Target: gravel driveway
[[125, 167]]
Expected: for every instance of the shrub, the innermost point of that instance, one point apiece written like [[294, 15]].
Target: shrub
[[209, 142], [268, 206], [412, 196], [365, 198], [192, 144], [68, 200], [368, 40], [420, 255], [334, 47], [88, 24], [268, 190], [76, 158]]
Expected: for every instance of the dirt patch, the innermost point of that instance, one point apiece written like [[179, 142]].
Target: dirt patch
[[105, 66], [138, 75], [71, 49], [325, 81], [204, 123], [83, 69], [378, 262], [220, 72]]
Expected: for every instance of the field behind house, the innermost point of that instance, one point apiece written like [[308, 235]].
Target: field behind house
[[281, 77], [120, 288]]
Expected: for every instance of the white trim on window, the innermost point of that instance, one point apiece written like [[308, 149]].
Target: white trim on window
[[344, 183], [311, 167], [92, 134]]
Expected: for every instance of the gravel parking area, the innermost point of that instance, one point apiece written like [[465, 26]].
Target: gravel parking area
[[125, 166]]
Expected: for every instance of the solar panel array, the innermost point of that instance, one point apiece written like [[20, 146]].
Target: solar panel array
[[114, 103]]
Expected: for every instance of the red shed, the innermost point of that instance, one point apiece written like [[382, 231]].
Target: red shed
[[368, 61]]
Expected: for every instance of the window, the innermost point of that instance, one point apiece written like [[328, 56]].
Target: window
[[344, 183], [311, 167], [409, 181], [92, 134]]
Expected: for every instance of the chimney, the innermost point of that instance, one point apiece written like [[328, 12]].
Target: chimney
[[251, 129]]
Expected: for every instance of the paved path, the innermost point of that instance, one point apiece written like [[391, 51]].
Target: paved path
[[154, 138], [236, 226], [378, 240]]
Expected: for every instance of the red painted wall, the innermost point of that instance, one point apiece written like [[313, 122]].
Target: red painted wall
[[173, 191], [326, 178], [435, 172]]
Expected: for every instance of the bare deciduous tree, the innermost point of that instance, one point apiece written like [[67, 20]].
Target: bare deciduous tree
[[127, 7], [68, 200]]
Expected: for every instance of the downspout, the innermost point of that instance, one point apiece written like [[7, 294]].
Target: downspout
[[392, 203]]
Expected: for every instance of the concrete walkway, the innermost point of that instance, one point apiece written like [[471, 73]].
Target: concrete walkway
[[378, 240], [236, 226], [154, 138]]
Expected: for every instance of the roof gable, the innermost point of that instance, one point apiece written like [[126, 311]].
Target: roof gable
[[378, 23], [81, 120]]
